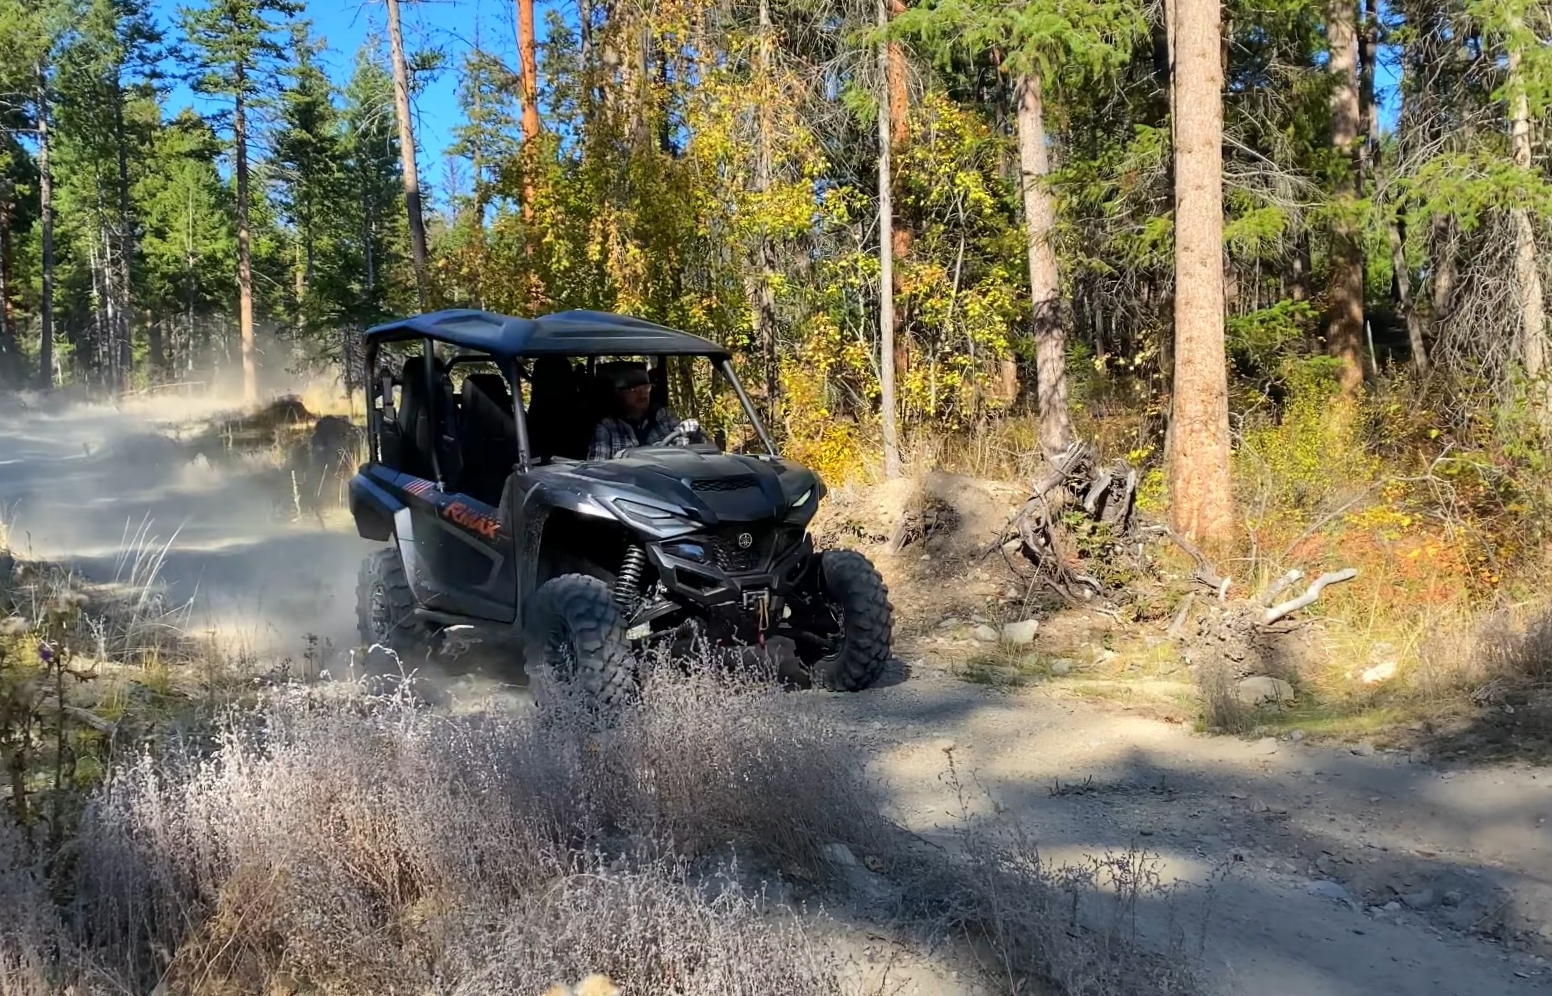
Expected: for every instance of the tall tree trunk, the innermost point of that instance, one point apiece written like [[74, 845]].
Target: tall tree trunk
[[898, 78], [1402, 291], [1527, 273], [1368, 105], [1044, 278], [46, 224], [529, 65], [886, 292], [125, 240], [401, 106], [156, 347], [244, 260], [636, 91], [762, 304], [191, 283], [589, 80], [1201, 497], [10, 355], [1344, 332]]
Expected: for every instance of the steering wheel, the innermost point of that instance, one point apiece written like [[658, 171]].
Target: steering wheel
[[682, 433]]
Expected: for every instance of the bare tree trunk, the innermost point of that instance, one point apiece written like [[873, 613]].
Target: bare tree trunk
[[401, 105], [1445, 276], [1201, 496], [46, 223], [1344, 332], [1405, 299], [244, 259], [886, 293], [1044, 278], [1527, 273]]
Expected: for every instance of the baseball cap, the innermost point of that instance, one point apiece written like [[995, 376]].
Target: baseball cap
[[627, 377]]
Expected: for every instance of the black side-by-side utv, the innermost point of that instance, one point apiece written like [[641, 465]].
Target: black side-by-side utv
[[478, 476]]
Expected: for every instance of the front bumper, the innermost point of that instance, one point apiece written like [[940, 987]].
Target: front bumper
[[715, 578]]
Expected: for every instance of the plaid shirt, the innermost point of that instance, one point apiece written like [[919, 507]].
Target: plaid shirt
[[615, 434]]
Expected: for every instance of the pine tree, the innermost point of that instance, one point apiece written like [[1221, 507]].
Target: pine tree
[[189, 238], [372, 254], [31, 36], [311, 192], [236, 51], [106, 75], [1038, 44]]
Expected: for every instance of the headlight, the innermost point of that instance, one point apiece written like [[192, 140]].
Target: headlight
[[694, 552], [660, 521], [649, 513], [803, 498]]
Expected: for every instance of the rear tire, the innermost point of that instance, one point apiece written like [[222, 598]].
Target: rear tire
[[853, 585], [574, 625], [385, 608]]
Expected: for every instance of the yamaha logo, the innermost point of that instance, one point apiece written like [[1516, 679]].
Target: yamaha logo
[[745, 541]]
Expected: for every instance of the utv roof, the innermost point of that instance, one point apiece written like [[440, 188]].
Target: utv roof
[[565, 333]]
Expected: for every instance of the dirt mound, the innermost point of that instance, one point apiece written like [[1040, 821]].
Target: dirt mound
[[940, 514], [274, 424]]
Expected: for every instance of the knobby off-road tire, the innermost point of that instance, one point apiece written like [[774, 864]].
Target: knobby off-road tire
[[853, 585], [573, 624], [385, 608]]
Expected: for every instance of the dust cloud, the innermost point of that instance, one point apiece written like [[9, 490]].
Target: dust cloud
[[116, 493]]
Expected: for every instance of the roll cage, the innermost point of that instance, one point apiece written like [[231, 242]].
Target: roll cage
[[411, 435]]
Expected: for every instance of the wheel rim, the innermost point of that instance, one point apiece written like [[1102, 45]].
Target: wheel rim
[[379, 613], [837, 643], [559, 653]]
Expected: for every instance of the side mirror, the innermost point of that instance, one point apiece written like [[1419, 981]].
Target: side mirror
[[720, 438]]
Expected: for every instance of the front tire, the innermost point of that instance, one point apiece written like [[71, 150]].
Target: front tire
[[574, 625], [853, 587]]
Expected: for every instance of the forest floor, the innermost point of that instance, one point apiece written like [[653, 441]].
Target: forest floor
[[1324, 867]]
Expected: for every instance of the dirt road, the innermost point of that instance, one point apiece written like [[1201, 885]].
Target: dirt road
[[1346, 874], [94, 487]]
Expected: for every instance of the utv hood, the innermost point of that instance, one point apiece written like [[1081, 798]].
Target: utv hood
[[709, 487]]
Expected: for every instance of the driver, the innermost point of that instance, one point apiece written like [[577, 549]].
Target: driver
[[632, 424]]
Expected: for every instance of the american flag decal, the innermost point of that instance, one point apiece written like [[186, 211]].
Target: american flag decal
[[419, 488]]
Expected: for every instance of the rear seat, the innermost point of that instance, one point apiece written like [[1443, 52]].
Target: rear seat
[[487, 435]]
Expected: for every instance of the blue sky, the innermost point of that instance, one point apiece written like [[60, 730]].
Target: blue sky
[[446, 25]]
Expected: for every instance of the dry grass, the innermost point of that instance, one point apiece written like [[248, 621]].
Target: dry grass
[[344, 842]]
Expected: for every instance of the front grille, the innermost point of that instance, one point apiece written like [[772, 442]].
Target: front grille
[[739, 482], [765, 544]]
